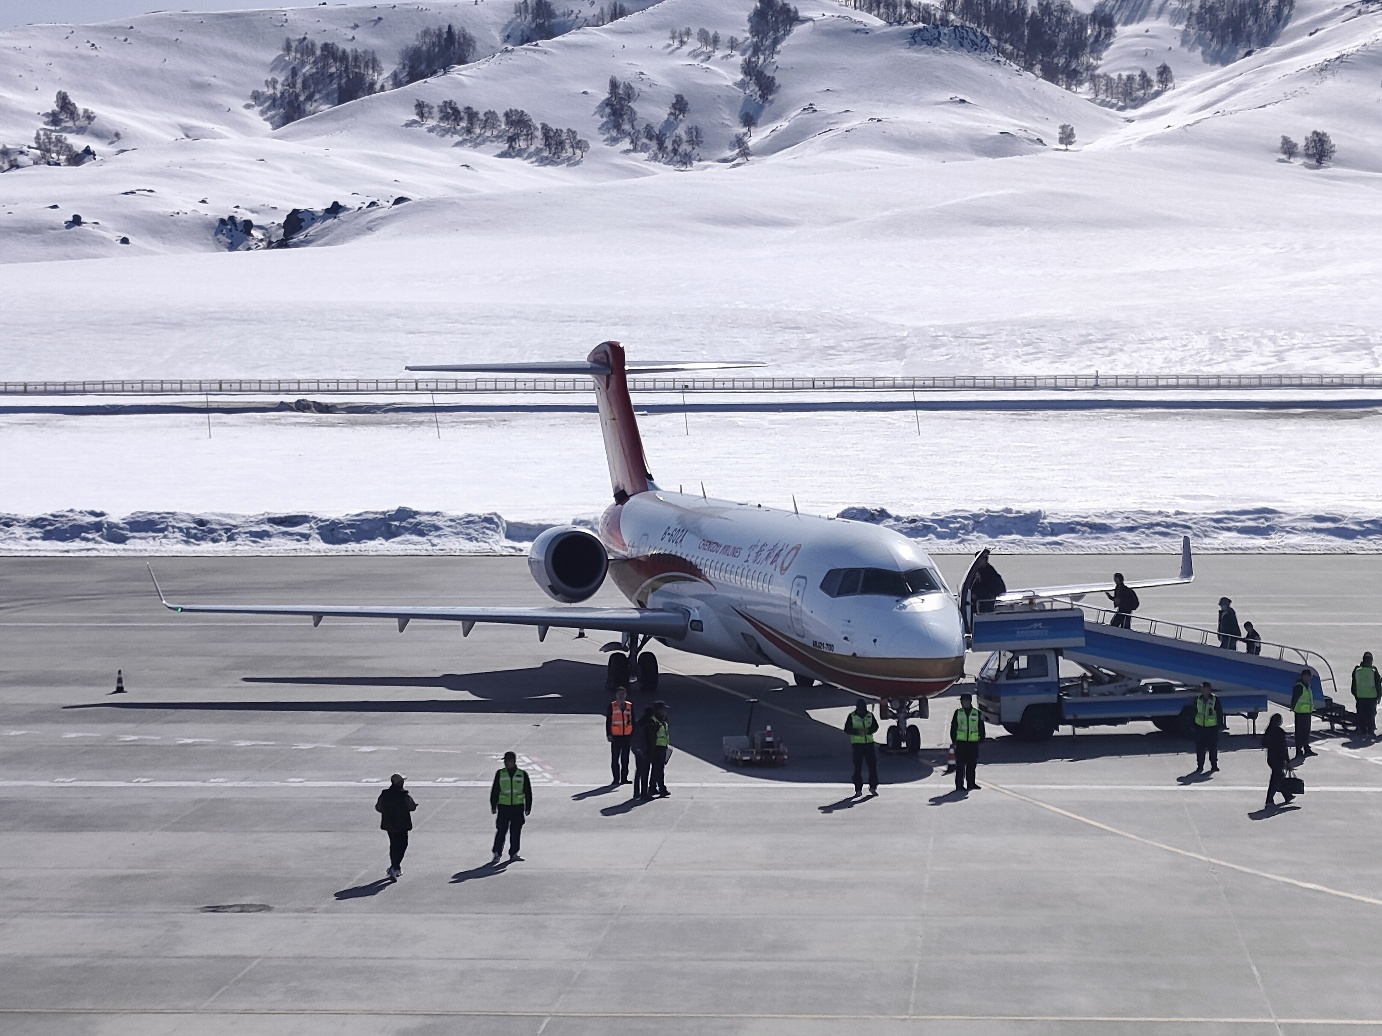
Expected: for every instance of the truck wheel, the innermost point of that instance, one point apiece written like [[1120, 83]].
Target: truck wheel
[[1038, 723], [1015, 729]]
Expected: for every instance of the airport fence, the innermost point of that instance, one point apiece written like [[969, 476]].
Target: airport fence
[[298, 387]]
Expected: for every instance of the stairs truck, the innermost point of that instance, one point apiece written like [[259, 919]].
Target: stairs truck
[[1112, 675]]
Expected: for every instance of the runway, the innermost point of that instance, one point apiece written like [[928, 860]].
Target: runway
[[201, 854]]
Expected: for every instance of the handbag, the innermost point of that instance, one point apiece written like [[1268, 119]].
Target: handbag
[[1293, 785]]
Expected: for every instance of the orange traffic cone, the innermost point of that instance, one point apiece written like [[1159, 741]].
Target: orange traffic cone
[[950, 760], [119, 682]]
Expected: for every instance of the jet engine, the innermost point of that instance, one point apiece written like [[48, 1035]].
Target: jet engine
[[568, 563]]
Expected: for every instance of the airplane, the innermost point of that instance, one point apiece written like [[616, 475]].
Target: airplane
[[845, 603]]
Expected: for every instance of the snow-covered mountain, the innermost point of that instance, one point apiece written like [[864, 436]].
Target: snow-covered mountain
[[179, 144]]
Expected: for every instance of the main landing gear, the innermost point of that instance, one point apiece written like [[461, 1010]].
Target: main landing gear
[[628, 662], [903, 736]]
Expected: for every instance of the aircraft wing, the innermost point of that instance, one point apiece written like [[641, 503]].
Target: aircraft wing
[[1186, 575], [648, 621]]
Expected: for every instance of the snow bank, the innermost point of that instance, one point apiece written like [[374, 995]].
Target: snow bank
[[406, 531], [402, 531], [1245, 530]]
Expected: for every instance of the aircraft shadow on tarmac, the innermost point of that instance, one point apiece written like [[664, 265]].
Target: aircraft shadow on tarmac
[[703, 711]]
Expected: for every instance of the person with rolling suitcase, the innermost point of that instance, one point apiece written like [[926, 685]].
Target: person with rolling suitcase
[[1279, 759]]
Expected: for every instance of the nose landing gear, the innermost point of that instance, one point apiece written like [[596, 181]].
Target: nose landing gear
[[903, 736], [628, 660]]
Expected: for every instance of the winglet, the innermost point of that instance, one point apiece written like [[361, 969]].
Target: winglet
[[159, 590], [1187, 563]]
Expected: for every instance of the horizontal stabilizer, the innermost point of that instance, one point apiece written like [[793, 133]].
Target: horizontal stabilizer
[[584, 367]]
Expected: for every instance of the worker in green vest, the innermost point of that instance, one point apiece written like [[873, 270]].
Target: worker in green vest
[[1303, 705], [966, 731], [510, 800], [860, 725], [1209, 717], [1367, 688], [660, 736]]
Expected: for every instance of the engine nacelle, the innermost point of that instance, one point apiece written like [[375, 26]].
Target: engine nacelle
[[568, 563]]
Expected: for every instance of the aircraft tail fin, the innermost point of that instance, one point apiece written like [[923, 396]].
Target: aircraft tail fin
[[606, 364]]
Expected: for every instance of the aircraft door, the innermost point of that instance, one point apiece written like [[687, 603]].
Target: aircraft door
[[798, 592]]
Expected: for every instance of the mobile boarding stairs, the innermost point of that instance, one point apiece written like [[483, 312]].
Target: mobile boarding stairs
[[1151, 671]]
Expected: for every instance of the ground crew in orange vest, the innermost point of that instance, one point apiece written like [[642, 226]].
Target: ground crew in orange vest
[[619, 733]]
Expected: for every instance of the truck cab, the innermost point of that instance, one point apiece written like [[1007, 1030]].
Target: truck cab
[[1020, 690]]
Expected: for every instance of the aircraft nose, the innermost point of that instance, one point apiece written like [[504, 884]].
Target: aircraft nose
[[930, 632]]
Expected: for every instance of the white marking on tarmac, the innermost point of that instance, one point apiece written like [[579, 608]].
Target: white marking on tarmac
[[423, 1012], [1309, 886]]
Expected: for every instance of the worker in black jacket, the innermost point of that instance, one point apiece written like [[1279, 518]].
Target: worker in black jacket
[[966, 732], [511, 801], [642, 754], [1278, 758], [1125, 602], [395, 808], [1228, 625], [987, 584]]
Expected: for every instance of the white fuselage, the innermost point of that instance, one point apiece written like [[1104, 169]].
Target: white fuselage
[[767, 586]]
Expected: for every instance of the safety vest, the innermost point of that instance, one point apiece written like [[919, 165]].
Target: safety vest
[[1365, 682], [1207, 711], [621, 718], [859, 733], [511, 788], [966, 724], [664, 736], [1305, 704]]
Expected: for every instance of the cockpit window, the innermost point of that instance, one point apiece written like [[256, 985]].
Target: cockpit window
[[879, 582]]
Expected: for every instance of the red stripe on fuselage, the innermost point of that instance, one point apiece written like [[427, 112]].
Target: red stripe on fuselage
[[862, 683]]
